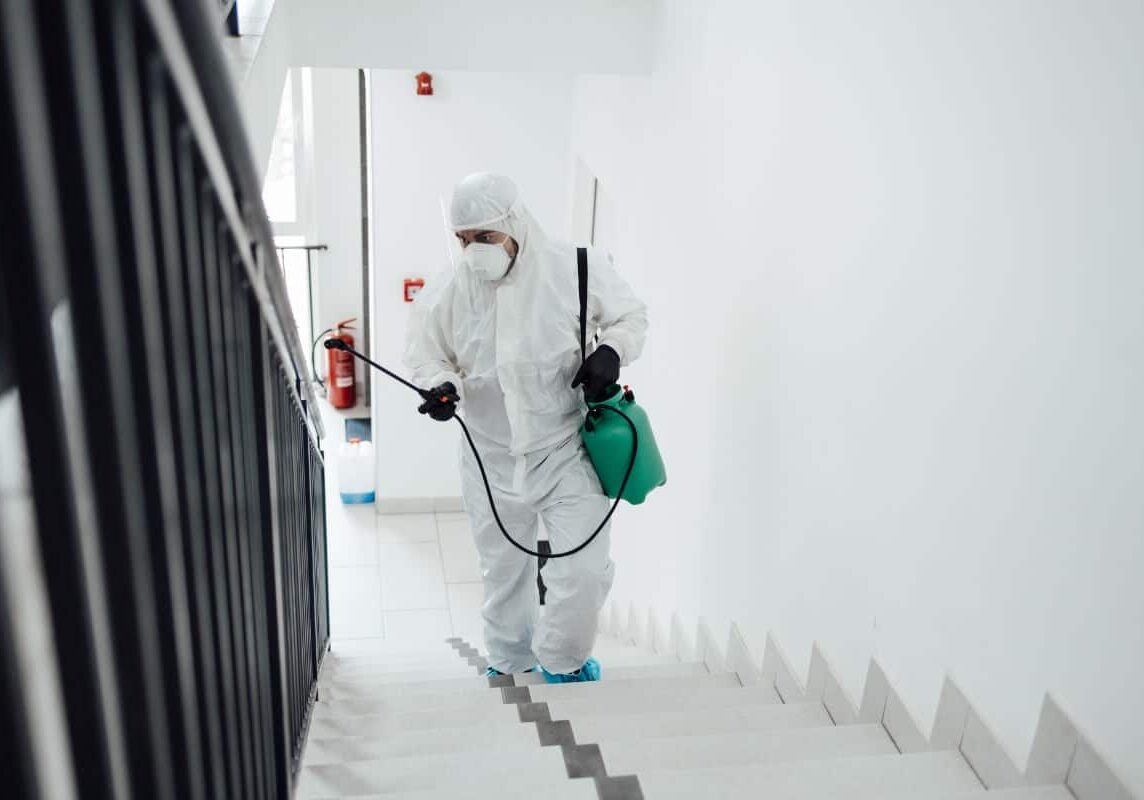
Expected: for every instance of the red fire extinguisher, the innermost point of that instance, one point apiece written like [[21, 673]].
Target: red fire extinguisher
[[340, 368]]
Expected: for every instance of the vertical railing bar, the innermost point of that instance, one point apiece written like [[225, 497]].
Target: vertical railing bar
[[208, 395], [170, 161], [220, 347], [158, 443], [97, 231]]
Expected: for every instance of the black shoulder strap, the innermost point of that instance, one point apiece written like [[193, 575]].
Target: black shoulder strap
[[582, 266]]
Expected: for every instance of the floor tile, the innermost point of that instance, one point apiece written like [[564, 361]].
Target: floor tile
[[357, 647], [411, 576], [465, 600], [468, 625], [418, 627], [452, 517], [459, 552], [466, 596], [407, 528], [351, 535], [355, 602]]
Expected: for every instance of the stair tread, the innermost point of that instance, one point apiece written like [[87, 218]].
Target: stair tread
[[362, 686], [915, 775], [646, 685], [384, 675], [1022, 793], [388, 724], [701, 721], [692, 699], [529, 766], [564, 789], [744, 747], [394, 654], [588, 728], [628, 671], [335, 750], [397, 703], [382, 698]]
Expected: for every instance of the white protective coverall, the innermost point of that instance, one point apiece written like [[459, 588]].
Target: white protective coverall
[[512, 349]]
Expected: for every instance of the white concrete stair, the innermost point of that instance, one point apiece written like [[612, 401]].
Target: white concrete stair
[[377, 676], [1025, 793], [630, 756], [587, 705], [477, 774], [322, 750], [617, 694], [735, 719], [425, 725], [396, 704], [865, 778], [359, 686], [387, 724], [647, 687], [634, 671], [565, 790]]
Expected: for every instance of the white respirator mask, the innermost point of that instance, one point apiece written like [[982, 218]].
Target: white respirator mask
[[488, 261]]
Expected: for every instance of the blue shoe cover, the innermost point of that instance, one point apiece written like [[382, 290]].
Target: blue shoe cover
[[493, 673], [589, 672]]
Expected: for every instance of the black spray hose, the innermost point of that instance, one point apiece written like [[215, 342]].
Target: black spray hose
[[314, 349], [338, 344]]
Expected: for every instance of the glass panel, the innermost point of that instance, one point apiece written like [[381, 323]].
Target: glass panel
[[280, 189], [297, 279]]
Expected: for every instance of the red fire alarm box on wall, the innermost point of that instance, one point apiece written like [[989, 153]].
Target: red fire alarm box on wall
[[424, 83], [412, 287]]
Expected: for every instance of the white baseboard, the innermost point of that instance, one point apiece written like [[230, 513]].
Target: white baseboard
[[777, 672], [741, 660], [419, 505], [707, 649], [683, 644], [660, 634]]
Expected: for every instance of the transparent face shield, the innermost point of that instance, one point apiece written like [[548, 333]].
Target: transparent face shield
[[452, 246]]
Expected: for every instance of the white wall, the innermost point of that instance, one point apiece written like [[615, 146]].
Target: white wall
[[643, 138], [495, 35], [511, 123], [336, 203], [924, 222], [260, 94]]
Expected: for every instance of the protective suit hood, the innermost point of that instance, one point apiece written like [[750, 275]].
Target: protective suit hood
[[485, 201]]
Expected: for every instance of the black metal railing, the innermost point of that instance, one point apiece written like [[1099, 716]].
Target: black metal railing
[[164, 631], [230, 15]]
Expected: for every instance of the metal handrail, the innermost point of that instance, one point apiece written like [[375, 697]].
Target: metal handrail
[[201, 76], [172, 519]]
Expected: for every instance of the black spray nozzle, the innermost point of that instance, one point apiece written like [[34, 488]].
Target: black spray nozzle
[[338, 344]]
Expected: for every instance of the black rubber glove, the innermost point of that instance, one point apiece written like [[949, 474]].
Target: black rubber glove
[[441, 402], [598, 372]]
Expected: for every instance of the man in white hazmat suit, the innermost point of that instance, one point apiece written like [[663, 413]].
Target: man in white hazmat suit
[[499, 339]]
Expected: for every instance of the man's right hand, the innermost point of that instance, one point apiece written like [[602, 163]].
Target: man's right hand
[[440, 402]]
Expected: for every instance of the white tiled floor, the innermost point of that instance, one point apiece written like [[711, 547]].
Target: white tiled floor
[[411, 576], [458, 551], [400, 580], [389, 579]]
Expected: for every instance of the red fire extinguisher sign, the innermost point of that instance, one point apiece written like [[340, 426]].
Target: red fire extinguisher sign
[[412, 287]]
